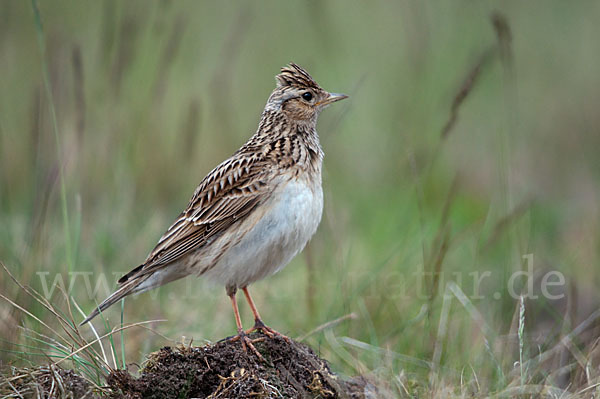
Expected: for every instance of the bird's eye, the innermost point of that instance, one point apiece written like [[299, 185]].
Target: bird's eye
[[307, 96]]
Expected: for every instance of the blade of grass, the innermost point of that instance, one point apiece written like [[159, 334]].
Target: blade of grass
[[122, 335], [327, 325], [488, 333], [404, 358], [93, 331], [442, 329], [80, 362], [592, 318], [68, 327], [107, 335], [56, 353], [32, 316], [521, 336], [60, 158], [110, 339]]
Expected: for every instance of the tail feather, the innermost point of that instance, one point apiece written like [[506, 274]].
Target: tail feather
[[139, 279], [128, 288], [131, 274]]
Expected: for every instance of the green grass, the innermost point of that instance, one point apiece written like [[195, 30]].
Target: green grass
[[111, 113]]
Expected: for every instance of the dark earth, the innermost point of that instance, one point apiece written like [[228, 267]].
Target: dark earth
[[225, 370], [222, 370], [44, 382]]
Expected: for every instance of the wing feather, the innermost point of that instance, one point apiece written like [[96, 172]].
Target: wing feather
[[226, 195]]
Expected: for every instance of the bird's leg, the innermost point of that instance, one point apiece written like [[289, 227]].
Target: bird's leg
[[242, 336], [258, 323]]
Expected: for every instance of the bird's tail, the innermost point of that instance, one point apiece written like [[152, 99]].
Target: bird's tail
[[129, 287]]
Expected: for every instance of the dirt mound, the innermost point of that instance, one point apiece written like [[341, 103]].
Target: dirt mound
[[225, 370]]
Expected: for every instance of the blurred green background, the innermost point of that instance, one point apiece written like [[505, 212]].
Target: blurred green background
[[150, 95]]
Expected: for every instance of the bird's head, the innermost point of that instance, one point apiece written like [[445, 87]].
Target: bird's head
[[298, 96]]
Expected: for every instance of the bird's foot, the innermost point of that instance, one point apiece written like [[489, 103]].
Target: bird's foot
[[268, 331], [248, 343]]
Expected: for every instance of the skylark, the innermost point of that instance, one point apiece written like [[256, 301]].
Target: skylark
[[252, 213]]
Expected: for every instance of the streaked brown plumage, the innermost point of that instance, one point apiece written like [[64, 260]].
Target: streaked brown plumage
[[252, 213]]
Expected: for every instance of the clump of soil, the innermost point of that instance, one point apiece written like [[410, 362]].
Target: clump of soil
[[46, 382], [224, 370]]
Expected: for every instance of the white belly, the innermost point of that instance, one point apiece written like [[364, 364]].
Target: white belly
[[290, 220]]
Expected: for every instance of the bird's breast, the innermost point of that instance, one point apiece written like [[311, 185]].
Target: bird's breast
[[296, 210], [275, 232]]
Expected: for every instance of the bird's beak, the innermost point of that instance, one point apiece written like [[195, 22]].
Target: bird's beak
[[333, 97]]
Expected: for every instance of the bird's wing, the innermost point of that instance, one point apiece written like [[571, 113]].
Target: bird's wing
[[226, 196]]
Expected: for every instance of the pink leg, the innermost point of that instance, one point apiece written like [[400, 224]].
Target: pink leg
[[258, 323]]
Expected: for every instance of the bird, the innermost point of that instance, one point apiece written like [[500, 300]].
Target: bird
[[253, 212]]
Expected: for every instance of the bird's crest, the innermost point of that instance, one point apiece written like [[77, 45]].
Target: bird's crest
[[295, 76]]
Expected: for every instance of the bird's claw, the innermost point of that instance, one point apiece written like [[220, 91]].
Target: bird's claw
[[247, 342], [268, 331]]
